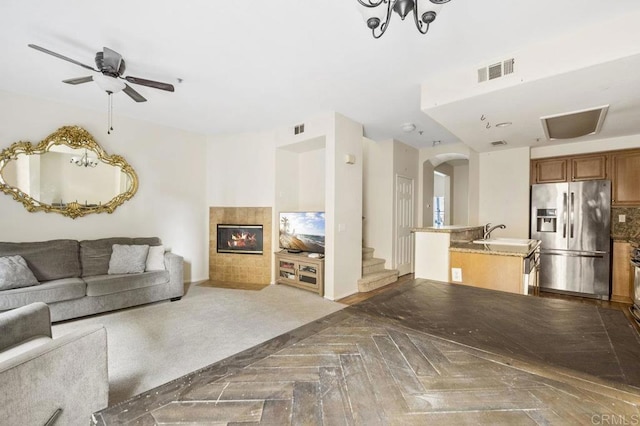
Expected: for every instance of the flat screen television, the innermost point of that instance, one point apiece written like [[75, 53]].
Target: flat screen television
[[302, 231]]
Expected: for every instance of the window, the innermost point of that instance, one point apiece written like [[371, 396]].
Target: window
[[438, 211]]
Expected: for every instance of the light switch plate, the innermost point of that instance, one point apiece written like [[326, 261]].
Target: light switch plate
[[456, 275], [622, 218]]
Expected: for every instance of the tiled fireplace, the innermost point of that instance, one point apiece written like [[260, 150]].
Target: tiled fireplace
[[237, 258]]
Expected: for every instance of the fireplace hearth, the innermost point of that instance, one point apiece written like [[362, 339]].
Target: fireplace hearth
[[240, 239]]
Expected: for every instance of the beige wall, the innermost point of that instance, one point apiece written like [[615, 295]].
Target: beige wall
[[504, 191], [624, 142], [272, 161], [461, 195], [171, 169]]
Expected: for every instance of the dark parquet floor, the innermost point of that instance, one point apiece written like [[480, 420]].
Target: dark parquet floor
[[422, 353]]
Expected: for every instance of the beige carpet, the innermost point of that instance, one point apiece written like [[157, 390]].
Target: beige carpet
[[153, 344]]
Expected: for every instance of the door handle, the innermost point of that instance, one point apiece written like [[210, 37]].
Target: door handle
[[572, 215], [564, 215]]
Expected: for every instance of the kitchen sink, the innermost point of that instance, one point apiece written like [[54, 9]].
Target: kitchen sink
[[505, 241]]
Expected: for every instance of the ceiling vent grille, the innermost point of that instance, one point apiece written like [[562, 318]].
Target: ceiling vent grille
[[298, 129], [497, 70], [498, 143], [574, 124]]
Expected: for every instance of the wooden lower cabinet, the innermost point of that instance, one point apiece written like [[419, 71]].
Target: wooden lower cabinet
[[300, 270], [621, 275], [490, 271]]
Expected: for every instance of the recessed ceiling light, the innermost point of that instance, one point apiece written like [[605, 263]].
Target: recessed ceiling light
[[505, 124], [408, 127]]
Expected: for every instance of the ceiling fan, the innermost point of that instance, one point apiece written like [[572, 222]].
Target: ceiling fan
[[110, 67]]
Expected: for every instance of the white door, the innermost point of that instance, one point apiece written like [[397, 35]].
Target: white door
[[404, 222]]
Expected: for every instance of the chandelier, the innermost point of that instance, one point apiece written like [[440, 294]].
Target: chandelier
[[378, 13], [84, 160]]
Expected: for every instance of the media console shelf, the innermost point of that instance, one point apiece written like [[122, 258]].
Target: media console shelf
[[300, 270]]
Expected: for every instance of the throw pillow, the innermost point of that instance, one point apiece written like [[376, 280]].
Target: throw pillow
[[155, 259], [14, 273], [128, 259]]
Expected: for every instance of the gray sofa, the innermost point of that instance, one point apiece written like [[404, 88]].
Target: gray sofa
[[73, 277], [42, 378]]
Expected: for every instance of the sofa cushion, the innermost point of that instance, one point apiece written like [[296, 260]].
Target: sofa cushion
[[48, 260], [95, 254], [109, 284], [48, 292], [14, 273], [128, 259], [155, 259]]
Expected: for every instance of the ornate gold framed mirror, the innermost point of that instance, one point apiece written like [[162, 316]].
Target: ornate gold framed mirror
[[68, 173]]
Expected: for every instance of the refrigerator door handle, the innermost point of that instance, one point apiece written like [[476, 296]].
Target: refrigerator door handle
[[564, 215], [595, 254], [572, 215]]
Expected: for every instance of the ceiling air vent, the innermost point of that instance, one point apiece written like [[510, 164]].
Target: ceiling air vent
[[498, 143], [497, 70], [298, 129], [574, 124]]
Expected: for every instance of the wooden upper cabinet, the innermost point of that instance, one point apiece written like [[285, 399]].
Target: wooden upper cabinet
[[625, 178], [590, 167], [550, 170]]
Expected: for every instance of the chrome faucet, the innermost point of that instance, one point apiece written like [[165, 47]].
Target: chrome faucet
[[488, 229]]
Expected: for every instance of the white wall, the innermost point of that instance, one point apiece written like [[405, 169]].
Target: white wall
[[504, 191], [171, 171], [311, 180], [378, 198], [344, 200]]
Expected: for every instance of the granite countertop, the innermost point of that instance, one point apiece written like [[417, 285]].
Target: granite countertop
[[634, 241], [447, 228], [497, 249]]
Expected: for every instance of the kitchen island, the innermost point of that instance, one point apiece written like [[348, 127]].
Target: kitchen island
[[432, 248], [510, 267]]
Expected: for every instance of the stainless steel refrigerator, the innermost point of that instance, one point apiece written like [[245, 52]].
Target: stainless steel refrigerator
[[573, 222]]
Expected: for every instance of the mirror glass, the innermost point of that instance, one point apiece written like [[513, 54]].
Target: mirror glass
[[68, 173]]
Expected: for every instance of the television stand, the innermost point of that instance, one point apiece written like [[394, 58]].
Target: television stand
[[300, 270]]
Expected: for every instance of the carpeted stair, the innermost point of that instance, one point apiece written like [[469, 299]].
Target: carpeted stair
[[373, 273]]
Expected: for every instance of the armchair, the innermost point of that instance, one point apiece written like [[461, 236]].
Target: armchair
[[49, 381]]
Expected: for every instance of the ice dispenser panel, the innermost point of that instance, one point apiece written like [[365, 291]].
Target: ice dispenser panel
[[546, 220]]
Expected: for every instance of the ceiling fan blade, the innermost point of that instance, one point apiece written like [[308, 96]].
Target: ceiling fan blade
[[78, 80], [150, 83], [111, 59], [133, 94], [57, 55]]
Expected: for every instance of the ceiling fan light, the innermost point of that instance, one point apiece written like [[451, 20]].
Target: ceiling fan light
[[109, 84]]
